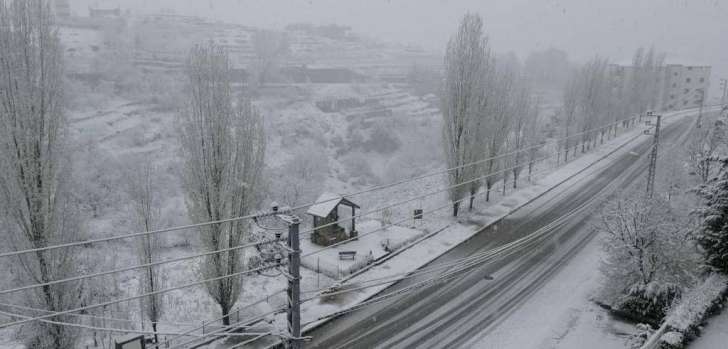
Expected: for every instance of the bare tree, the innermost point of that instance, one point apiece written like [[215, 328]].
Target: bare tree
[[463, 99], [33, 163], [522, 119], [497, 125], [145, 212], [593, 101], [302, 178], [534, 136], [703, 149], [569, 111], [636, 83], [270, 47], [648, 255], [644, 80], [223, 148]]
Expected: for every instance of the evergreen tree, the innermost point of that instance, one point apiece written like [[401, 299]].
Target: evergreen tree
[[713, 231]]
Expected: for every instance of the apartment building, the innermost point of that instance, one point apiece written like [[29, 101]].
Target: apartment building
[[676, 86], [684, 86]]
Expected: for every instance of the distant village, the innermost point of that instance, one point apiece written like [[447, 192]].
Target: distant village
[[160, 42]]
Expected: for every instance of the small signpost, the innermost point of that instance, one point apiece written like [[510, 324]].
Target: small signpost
[[419, 214]]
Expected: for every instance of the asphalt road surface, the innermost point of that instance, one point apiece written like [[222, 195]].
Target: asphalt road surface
[[448, 314]]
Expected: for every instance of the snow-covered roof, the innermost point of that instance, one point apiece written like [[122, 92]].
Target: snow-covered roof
[[326, 203]]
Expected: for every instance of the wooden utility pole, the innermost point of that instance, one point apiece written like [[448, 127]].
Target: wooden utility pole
[[652, 170]]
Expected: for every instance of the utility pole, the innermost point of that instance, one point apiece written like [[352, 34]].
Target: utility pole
[[652, 170], [294, 281], [294, 270], [724, 86]]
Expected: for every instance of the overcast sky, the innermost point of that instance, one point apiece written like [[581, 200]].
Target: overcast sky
[[690, 31]]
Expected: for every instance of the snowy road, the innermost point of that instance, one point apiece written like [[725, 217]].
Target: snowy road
[[462, 311]]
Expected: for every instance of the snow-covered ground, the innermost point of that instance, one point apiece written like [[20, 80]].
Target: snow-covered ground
[[455, 232], [551, 319], [375, 236], [715, 335], [124, 129]]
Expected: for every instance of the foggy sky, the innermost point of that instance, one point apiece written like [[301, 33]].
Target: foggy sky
[[690, 31]]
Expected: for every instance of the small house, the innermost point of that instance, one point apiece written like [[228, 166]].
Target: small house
[[327, 228]]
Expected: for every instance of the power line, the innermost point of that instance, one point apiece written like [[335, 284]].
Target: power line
[[250, 216], [512, 247], [90, 316], [237, 311], [126, 299], [370, 212], [532, 236], [82, 277], [108, 329], [390, 225], [403, 202], [474, 259], [315, 252], [470, 261], [146, 265], [131, 298], [249, 341], [226, 329]]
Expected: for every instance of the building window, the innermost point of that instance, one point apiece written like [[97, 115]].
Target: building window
[[675, 73], [674, 85], [672, 96], [685, 102], [690, 68], [702, 80], [687, 80]]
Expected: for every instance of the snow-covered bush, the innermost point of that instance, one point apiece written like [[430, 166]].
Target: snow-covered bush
[[648, 303], [698, 302], [638, 339], [685, 319], [671, 340]]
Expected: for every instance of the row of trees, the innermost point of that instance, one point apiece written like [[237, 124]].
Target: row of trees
[[223, 147], [487, 109], [598, 95]]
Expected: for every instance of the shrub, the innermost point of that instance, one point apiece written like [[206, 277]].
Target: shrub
[[647, 303]]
